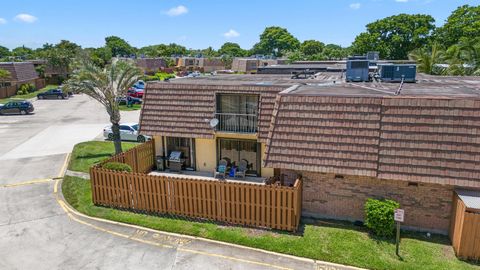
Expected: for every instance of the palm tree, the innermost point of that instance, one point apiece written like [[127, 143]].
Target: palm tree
[[105, 85], [4, 74], [470, 54], [427, 60]]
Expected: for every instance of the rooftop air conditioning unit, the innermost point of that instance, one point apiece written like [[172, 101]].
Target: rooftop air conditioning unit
[[373, 56], [398, 72], [358, 57], [357, 71]]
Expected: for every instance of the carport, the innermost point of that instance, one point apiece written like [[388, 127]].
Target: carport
[[465, 226]]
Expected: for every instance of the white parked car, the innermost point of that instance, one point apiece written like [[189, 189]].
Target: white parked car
[[128, 132]]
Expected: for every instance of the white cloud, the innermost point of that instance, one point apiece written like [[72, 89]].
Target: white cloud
[[231, 34], [3, 21], [355, 5], [401, 1], [177, 11], [24, 17]]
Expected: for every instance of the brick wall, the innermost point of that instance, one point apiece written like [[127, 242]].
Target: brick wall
[[427, 206]]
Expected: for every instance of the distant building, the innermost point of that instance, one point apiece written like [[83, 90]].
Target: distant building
[[201, 64], [150, 65], [251, 65], [20, 73]]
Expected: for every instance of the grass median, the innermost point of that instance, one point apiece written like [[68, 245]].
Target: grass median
[[86, 154], [133, 107]]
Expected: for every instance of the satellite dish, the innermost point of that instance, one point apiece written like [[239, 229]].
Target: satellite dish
[[214, 122]]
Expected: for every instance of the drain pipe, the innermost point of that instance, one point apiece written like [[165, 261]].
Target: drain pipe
[[399, 90]]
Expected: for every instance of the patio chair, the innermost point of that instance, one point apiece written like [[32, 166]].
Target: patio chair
[[242, 169], [221, 169]]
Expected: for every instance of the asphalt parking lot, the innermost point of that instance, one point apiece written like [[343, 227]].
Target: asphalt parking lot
[[34, 146]]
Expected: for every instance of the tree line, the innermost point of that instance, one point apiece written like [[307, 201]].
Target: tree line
[[453, 48]]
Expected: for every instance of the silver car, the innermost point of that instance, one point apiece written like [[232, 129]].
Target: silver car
[[128, 132]]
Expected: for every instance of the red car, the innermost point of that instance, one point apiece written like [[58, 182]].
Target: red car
[[136, 93]]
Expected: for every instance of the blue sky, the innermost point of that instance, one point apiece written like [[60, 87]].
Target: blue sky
[[199, 23]]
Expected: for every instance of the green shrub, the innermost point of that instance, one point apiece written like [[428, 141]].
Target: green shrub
[[159, 76], [21, 92], [117, 166], [25, 89], [379, 216]]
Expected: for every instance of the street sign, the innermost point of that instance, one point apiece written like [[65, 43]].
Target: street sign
[[399, 215]]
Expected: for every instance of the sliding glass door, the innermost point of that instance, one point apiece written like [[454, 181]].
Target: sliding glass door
[[237, 113], [236, 150]]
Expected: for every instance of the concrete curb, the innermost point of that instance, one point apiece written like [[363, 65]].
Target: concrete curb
[[83, 175], [317, 263]]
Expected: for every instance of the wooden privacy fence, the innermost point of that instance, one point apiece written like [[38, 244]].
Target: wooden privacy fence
[[8, 91], [141, 158], [273, 207]]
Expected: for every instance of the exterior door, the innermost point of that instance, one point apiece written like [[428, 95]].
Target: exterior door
[[235, 151]]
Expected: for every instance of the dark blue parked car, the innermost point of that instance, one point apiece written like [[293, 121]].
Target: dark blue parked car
[[53, 93], [16, 107]]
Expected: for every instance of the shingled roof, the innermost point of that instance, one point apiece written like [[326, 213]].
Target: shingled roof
[[20, 71], [430, 133], [183, 109]]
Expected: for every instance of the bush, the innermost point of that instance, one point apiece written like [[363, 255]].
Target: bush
[[117, 166], [25, 89], [379, 216], [159, 76]]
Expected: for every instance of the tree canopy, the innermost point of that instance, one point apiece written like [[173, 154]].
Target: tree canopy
[[276, 41], [60, 55], [119, 46], [4, 52], [231, 49], [163, 50], [395, 36], [464, 22], [312, 47], [22, 52]]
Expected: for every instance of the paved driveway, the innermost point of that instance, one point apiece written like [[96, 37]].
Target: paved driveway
[[39, 231]]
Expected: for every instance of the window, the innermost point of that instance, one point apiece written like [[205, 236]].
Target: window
[[126, 128], [135, 127], [237, 113]]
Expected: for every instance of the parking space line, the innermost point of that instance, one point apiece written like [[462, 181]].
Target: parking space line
[[31, 182], [64, 166]]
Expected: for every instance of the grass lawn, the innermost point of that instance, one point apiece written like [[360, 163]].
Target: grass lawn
[[86, 154], [29, 95], [322, 240], [135, 107]]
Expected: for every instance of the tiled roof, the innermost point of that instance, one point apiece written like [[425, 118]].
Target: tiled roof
[[428, 133], [183, 110], [429, 139], [20, 71]]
